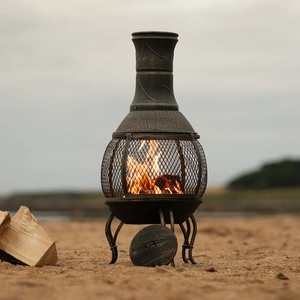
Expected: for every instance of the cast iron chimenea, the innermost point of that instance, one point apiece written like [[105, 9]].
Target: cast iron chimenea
[[154, 169]]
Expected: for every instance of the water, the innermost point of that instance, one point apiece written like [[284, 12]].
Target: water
[[61, 216], [48, 216]]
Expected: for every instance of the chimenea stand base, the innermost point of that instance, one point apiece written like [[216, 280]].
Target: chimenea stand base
[[188, 228]]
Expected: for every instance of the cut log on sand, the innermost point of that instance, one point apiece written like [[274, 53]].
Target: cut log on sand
[[24, 241]]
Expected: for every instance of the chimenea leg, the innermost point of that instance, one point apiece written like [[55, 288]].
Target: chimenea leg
[[163, 223], [189, 244], [186, 244], [192, 239], [172, 228], [112, 238], [172, 220]]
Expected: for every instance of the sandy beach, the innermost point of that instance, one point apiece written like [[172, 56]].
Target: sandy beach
[[237, 258]]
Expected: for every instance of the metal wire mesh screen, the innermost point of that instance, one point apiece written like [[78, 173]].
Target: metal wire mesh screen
[[203, 180], [153, 167], [111, 170]]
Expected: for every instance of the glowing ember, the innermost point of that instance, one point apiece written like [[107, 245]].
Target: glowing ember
[[145, 178]]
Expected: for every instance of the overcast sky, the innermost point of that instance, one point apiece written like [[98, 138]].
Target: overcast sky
[[67, 79]]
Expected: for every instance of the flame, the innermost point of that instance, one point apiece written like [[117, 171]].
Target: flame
[[146, 177]]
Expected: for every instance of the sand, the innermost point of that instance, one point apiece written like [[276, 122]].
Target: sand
[[238, 258]]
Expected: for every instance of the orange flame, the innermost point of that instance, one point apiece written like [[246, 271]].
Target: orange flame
[[146, 178]]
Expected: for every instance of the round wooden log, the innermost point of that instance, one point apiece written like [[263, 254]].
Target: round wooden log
[[154, 245]]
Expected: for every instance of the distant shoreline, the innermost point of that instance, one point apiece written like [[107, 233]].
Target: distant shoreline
[[217, 199]]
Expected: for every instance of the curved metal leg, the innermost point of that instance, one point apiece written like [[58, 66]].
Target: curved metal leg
[[189, 244], [163, 223], [186, 244], [193, 239], [172, 228], [112, 238], [172, 220], [162, 219]]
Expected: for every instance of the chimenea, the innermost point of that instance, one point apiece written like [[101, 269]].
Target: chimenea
[[154, 168]]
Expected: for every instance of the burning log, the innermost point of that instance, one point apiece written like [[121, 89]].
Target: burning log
[[144, 178], [163, 184], [24, 241], [169, 184]]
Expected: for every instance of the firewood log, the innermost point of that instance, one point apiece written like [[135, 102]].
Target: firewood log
[[24, 241]]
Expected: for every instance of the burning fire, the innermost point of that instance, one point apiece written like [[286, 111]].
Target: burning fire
[[146, 178]]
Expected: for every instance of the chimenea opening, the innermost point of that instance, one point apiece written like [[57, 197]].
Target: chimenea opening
[[154, 169]]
